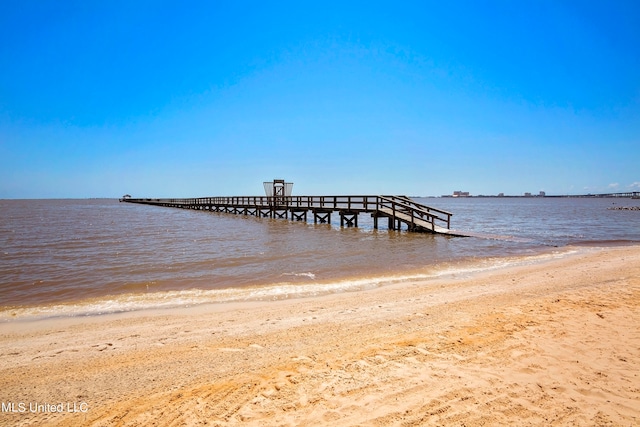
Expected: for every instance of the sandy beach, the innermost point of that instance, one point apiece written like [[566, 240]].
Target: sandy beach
[[554, 342]]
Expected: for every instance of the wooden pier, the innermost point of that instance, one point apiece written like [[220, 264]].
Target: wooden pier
[[397, 210]]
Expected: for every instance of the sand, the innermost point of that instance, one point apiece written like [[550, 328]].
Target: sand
[[555, 342]]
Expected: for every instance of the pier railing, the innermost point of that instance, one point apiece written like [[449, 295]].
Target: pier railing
[[361, 203], [399, 209]]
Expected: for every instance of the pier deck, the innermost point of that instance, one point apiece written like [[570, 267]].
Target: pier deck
[[398, 210]]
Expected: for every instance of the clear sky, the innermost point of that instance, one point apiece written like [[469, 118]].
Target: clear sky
[[211, 98]]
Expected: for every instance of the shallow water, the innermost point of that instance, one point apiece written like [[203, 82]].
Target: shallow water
[[70, 257]]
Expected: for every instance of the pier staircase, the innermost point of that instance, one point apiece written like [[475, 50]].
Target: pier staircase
[[416, 216]]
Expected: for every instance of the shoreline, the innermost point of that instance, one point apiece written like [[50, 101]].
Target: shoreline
[[552, 342], [186, 298]]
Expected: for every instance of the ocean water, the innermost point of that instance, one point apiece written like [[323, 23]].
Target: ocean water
[[87, 257]]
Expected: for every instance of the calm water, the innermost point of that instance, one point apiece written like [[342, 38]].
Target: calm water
[[77, 257]]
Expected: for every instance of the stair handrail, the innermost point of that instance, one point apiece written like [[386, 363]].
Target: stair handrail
[[412, 208]]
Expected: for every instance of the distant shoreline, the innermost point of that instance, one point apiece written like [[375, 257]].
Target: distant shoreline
[[632, 195]]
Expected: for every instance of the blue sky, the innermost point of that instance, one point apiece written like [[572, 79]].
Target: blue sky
[[181, 99]]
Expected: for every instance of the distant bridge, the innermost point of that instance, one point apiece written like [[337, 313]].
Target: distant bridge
[[632, 194], [398, 210], [628, 194]]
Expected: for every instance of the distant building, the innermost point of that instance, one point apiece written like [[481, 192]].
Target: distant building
[[542, 194], [527, 194], [460, 194], [500, 194]]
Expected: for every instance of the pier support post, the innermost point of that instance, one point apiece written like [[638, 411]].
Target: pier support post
[[348, 217], [279, 213], [324, 216], [376, 215], [298, 215]]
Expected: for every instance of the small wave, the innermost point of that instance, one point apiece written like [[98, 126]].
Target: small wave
[[183, 298], [309, 275], [279, 291]]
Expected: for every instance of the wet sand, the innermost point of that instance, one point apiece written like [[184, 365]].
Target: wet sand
[[551, 343]]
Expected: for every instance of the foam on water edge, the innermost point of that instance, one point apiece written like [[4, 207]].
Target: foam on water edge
[[278, 291]]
